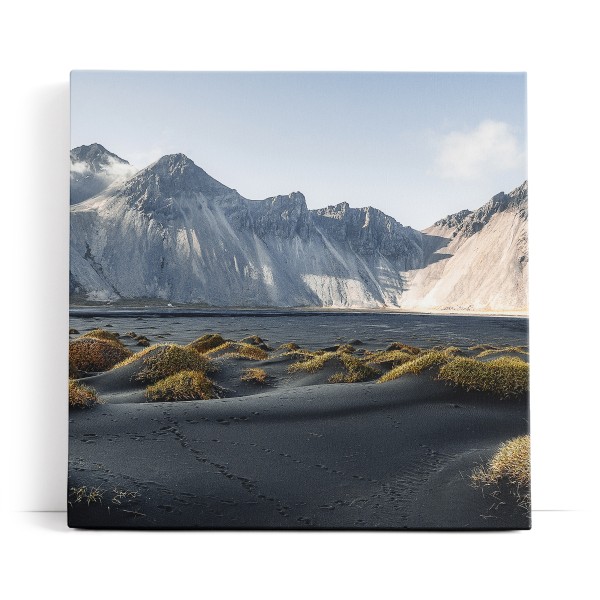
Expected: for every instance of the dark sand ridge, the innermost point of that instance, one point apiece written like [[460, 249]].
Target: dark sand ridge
[[297, 453]]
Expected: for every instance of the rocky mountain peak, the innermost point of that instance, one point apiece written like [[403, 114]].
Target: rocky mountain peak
[[172, 176]]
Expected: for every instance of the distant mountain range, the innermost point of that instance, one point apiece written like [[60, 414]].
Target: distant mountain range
[[172, 233]]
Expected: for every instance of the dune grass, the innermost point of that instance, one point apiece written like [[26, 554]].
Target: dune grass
[[207, 342], [83, 494], [356, 370], [94, 355], [403, 347], [101, 334], [504, 350], [511, 463], [289, 347], [165, 360], [313, 362], [505, 376], [346, 349], [396, 357], [417, 365], [184, 385], [258, 376], [81, 396], [239, 350]]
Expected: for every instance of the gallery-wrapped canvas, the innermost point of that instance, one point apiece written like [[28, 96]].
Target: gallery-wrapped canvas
[[349, 354]]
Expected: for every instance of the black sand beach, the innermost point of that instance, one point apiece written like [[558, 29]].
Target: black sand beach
[[296, 451]]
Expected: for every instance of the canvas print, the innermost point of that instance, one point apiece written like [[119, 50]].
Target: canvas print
[[298, 301]]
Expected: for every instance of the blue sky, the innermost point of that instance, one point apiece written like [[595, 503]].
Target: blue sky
[[418, 146]]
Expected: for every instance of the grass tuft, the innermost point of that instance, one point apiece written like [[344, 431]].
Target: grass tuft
[[170, 359], [185, 385], [504, 376], [258, 376], [511, 463], [289, 346], [101, 334], [404, 348], [504, 350], [346, 349], [84, 494], [356, 370], [418, 364], [81, 396], [207, 342], [240, 350], [313, 363], [93, 355], [395, 357]]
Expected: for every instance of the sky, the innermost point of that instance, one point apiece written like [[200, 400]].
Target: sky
[[418, 146]]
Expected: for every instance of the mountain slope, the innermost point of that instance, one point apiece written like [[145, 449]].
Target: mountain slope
[[175, 233], [93, 169], [475, 261]]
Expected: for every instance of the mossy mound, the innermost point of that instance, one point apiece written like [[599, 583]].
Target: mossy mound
[[165, 360], [185, 385], [356, 370], [207, 342], [254, 340], [143, 341], [504, 376], [258, 376], [511, 463], [81, 396], [94, 355]]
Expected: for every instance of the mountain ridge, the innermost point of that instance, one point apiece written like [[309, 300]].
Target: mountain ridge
[[173, 232]]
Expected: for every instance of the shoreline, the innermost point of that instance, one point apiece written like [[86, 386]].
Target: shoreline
[[79, 310]]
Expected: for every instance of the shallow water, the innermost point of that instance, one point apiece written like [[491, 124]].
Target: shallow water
[[309, 329]]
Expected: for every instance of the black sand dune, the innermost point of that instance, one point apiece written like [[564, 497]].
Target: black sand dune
[[298, 453]]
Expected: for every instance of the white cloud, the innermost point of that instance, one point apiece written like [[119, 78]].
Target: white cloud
[[490, 148]]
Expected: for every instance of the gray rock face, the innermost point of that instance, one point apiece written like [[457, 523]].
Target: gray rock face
[[93, 169], [173, 232]]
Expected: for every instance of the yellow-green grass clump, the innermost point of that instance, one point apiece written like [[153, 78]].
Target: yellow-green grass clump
[[504, 350], [81, 396], [511, 464], [346, 349], [258, 376], [505, 376], [93, 355], [169, 359], [101, 334], [396, 357], [207, 342], [289, 347], [185, 385], [240, 350], [139, 355], [313, 362], [404, 348], [356, 370], [418, 364]]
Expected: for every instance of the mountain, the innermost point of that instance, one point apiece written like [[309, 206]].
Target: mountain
[[93, 169], [475, 261], [172, 232]]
